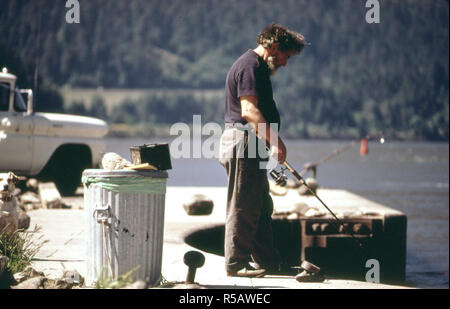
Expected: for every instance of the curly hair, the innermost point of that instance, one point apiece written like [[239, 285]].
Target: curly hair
[[287, 40]]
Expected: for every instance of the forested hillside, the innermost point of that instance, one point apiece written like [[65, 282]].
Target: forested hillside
[[353, 79]]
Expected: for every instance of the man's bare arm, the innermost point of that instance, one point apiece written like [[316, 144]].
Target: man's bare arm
[[251, 113]]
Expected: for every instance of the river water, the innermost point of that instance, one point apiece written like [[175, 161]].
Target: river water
[[412, 177]]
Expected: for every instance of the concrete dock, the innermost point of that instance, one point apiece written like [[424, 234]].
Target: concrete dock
[[66, 248]]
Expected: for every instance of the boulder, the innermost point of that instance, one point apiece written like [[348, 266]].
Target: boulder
[[73, 277], [59, 284], [31, 284], [69, 279], [32, 185], [276, 189], [292, 183], [113, 161], [20, 277], [30, 201], [199, 205], [28, 273], [49, 195], [32, 279]]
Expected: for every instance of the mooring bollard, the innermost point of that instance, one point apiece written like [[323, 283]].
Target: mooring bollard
[[194, 260]]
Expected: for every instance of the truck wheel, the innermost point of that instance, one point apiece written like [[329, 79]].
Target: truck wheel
[[68, 179], [66, 166]]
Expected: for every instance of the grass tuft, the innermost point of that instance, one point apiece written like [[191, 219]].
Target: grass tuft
[[104, 282], [20, 247]]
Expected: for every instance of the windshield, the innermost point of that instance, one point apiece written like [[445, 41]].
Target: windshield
[[19, 103]]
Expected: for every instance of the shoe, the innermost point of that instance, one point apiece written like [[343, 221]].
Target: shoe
[[247, 271], [305, 276], [310, 273]]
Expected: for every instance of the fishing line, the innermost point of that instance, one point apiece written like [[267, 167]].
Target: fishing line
[[363, 151]]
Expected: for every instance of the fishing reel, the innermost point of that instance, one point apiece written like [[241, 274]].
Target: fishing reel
[[279, 177]]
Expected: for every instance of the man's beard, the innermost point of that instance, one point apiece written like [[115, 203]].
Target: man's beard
[[272, 66]]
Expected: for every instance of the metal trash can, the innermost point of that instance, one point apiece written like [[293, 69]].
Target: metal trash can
[[124, 223]]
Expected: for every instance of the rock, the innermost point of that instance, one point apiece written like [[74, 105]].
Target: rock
[[79, 191], [32, 184], [20, 277], [138, 285], [32, 283], [199, 205], [24, 220], [29, 198], [32, 279], [314, 212], [73, 277], [60, 284], [292, 183], [73, 202], [113, 161], [306, 210], [276, 189], [28, 273], [49, 195], [299, 208], [69, 279], [293, 216]]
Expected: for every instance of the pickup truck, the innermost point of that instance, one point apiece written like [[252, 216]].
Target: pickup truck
[[47, 146]]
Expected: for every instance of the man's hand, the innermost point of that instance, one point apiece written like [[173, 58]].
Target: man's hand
[[279, 151]]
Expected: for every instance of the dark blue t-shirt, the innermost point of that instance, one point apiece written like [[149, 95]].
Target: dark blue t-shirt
[[249, 76]]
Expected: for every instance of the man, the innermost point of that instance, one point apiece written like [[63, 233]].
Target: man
[[250, 115]]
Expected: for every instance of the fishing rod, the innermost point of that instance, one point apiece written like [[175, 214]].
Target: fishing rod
[[280, 178], [339, 221]]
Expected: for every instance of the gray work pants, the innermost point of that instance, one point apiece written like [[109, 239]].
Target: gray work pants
[[248, 227]]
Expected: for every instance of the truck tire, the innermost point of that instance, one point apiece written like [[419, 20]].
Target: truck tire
[[66, 166], [67, 179]]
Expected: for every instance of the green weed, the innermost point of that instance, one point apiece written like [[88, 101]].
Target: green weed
[[20, 247], [109, 282]]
